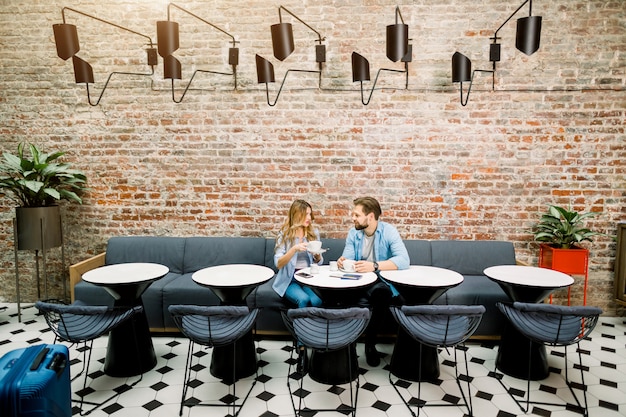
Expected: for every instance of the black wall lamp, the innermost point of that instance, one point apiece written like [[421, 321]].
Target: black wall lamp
[[398, 48], [66, 40], [168, 43], [283, 46], [527, 39]]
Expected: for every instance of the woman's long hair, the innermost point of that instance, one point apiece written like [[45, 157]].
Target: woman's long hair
[[294, 221]]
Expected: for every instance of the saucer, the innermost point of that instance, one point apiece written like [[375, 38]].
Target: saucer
[[317, 252], [346, 271]]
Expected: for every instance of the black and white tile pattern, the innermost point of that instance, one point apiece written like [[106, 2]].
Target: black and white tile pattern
[[159, 391]]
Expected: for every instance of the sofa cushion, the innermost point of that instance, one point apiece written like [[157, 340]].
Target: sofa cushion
[[202, 252], [162, 250], [469, 257]]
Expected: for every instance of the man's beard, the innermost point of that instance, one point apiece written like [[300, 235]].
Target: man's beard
[[359, 226]]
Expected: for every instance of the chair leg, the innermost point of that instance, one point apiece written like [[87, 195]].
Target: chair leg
[[100, 404], [466, 399]]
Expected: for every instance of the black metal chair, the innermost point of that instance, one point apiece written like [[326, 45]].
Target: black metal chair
[[552, 325], [81, 324], [328, 331], [214, 326], [438, 326]]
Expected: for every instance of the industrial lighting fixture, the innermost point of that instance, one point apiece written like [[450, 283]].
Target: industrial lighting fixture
[[66, 40], [398, 48], [168, 43], [527, 40], [283, 46], [462, 72]]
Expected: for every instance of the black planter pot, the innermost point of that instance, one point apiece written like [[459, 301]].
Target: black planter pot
[[30, 221]]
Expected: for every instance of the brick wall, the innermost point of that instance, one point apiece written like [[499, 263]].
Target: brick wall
[[223, 162]]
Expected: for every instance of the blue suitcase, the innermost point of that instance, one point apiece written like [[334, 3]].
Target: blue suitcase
[[35, 382]]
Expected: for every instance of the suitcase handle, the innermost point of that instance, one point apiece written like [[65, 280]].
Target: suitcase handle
[[57, 364], [39, 358]]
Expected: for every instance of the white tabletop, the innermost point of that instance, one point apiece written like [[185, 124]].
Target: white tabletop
[[423, 276], [233, 275], [125, 273], [530, 276], [323, 279]]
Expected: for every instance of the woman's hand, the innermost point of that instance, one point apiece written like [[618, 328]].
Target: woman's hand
[[300, 247], [340, 262]]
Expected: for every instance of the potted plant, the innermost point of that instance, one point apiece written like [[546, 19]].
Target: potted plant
[[560, 232], [37, 182]]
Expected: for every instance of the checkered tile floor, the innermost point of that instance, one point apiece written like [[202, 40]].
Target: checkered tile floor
[[158, 393]]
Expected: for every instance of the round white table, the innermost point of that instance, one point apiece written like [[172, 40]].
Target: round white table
[[419, 284], [526, 284], [232, 283], [335, 292], [324, 279], [131, 339]]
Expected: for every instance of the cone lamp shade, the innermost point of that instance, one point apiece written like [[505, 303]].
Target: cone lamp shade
[[360, 68], [167, 37], [461, 68], [282, 40], [397, 41], [528, 35], [264, 70], [83, 73], [66, 40]]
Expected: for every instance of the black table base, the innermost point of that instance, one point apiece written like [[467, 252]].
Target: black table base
[[245, 365], [405, 363], [331, 367], [123, 359], [513, 355]]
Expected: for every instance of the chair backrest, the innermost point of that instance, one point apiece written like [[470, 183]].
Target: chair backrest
[[439, 325], [551, 324], [328, 329], [213, 325], [77, 322]]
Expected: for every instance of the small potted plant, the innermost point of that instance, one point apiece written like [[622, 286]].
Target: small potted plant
[[560, 232], [37, 182], [563, 229]]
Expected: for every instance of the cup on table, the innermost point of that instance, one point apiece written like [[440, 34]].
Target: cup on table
[[333, 265], [314, 246], [349, 265], [315, 268]]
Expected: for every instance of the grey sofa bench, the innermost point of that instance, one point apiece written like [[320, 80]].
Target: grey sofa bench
[[185, 255]]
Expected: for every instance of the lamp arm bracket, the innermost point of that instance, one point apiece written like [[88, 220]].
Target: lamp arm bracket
[[464, 103], [151, 73], [280, 18], [106, 22], [365, 103], [191, 79], [202, 20], [398, 14], [495, 35], [280, 89]]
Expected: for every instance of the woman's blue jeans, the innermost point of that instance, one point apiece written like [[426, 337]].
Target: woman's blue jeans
[[302, 296]]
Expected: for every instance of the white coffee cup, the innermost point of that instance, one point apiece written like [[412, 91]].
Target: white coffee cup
[[333, 265], [315, 268], [314, 246], [349, 265]]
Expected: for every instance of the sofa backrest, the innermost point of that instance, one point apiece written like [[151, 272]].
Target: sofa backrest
[[202, 252], [164, 250], [471, 257], [420, 252]]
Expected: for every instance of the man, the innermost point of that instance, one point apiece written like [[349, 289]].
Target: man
[[375, 246]]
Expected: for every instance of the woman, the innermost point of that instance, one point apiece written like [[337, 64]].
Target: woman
[[290, 255]]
